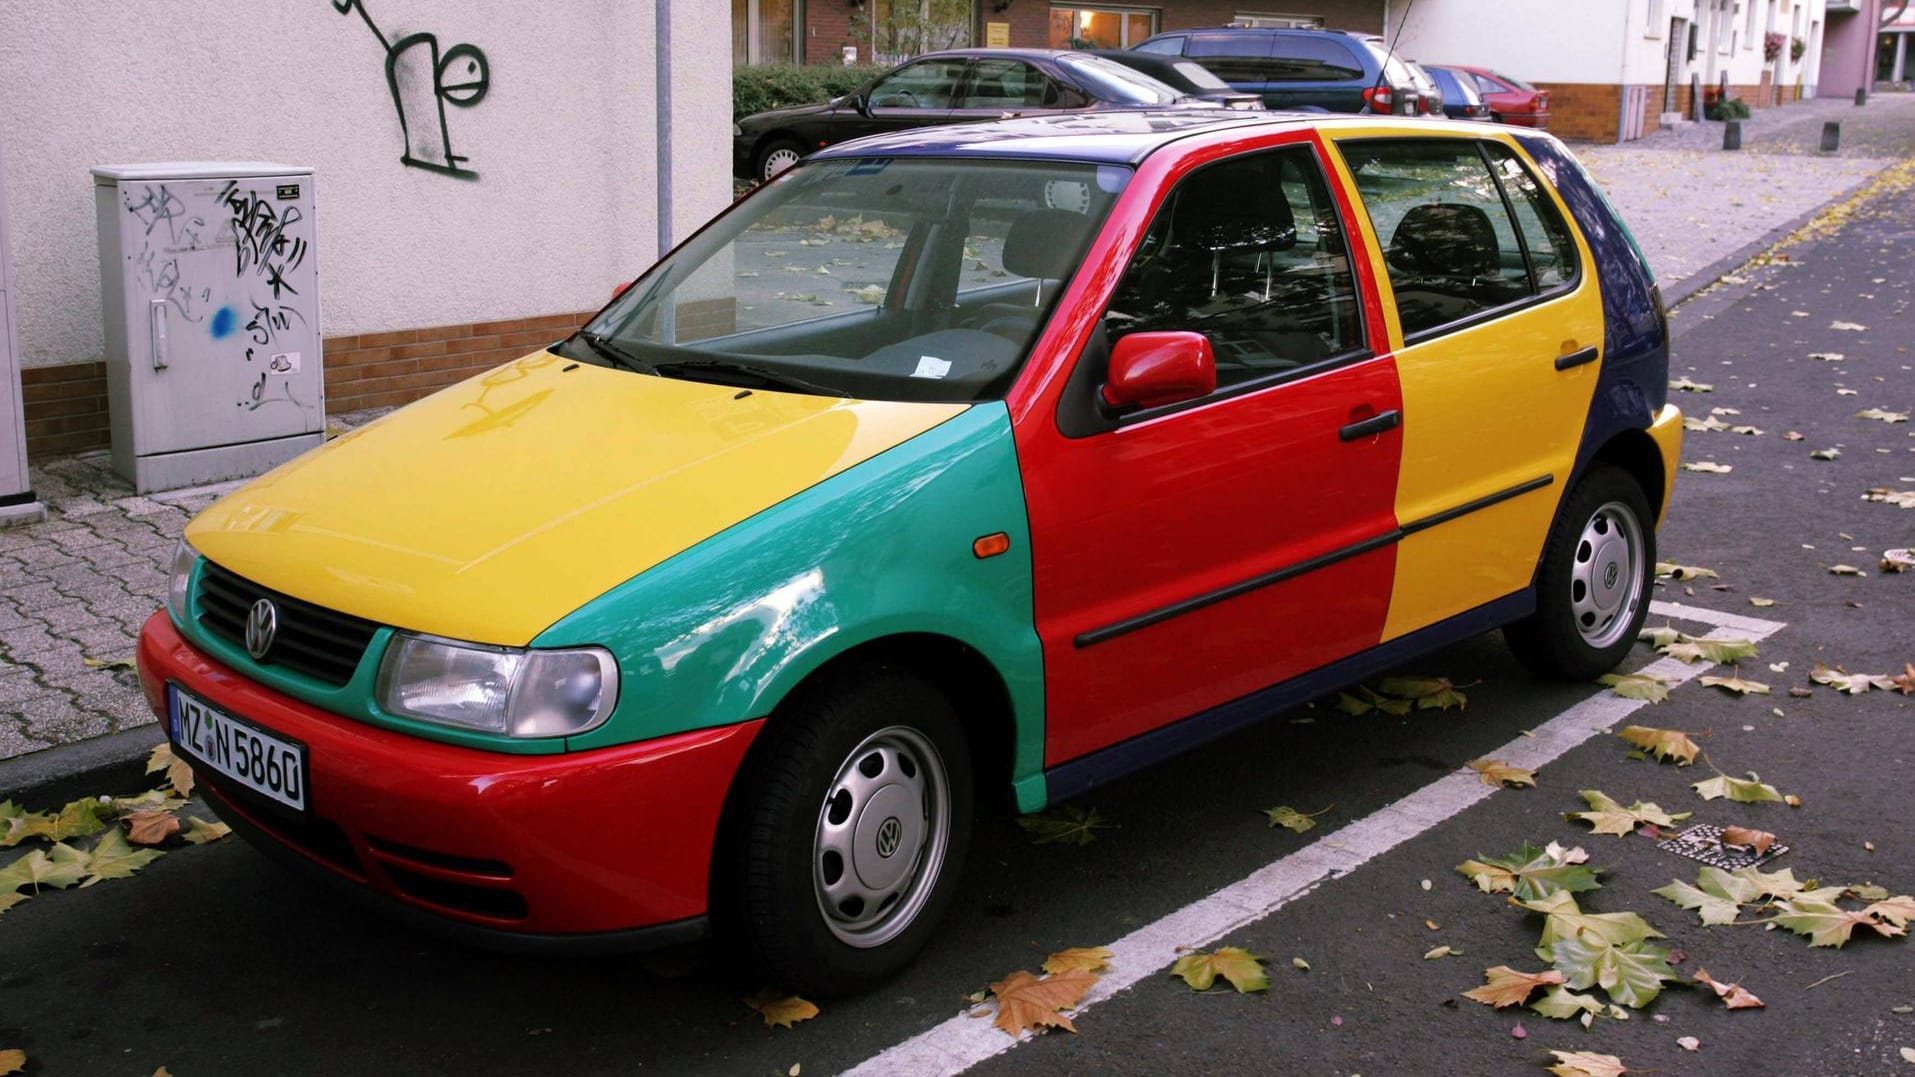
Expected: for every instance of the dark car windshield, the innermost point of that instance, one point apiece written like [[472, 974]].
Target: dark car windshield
[[1108, 80], [1515, 84], [882, 279]]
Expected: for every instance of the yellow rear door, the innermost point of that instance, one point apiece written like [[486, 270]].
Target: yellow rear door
[[1495, 317]]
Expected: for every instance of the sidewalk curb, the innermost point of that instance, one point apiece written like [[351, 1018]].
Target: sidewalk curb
[[1678, 292], [113, 764]]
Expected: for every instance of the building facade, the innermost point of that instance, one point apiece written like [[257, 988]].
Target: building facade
[[1894, 59], [484, 173], [1616, 70], [887, 31]]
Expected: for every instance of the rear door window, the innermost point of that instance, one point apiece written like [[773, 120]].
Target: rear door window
[[1234, 57], [1307, 58], [1552, 253], [1008, 84]]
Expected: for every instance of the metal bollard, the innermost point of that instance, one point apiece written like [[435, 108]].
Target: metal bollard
[[1831, 136], [1732, 135], [1861, 97]]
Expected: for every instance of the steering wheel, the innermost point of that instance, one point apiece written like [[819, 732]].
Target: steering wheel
[[892, 100]]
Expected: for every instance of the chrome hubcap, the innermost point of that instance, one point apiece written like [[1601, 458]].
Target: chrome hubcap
[[1605, 584], [882, 832], [779, 160]]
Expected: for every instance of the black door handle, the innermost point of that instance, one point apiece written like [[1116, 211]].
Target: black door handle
[[1375, 424], [1587, 355]]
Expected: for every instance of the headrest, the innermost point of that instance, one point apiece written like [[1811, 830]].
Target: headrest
[[1231, 208], [1447, 238], [1043, 243]]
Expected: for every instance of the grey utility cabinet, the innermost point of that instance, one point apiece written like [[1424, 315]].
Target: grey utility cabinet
[[209, 284]]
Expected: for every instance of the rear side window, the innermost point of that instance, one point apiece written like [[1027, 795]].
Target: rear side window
[[1164, 46], [1552, 253], [1234, 57], [1250, 253], [1308, 58], [1007, 84], [1451, 245]]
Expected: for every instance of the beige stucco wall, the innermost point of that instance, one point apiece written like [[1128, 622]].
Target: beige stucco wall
[[563, 145]]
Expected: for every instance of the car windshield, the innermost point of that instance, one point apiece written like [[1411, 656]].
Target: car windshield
[[1394, 73], [1515, 84], [875, 278], [1199, 76], [1108, 80]]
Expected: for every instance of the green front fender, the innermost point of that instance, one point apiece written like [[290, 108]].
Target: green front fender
[[723, 631]]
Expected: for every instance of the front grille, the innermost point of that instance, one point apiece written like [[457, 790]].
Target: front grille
[[320, 643]]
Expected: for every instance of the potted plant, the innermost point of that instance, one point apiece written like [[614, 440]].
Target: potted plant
[[1772, 46]]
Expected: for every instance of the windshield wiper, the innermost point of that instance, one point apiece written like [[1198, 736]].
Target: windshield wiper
[[764, 374], [604, 345]]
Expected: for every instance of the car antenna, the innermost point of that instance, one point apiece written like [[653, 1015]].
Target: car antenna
[[1389, 45]]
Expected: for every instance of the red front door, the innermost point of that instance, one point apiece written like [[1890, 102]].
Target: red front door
[[1188, 557]]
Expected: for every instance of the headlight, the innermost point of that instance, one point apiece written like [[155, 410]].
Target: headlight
[[509, 690], [184, 558]]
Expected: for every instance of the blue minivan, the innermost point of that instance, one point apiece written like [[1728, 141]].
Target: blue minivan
[[1331, 70]]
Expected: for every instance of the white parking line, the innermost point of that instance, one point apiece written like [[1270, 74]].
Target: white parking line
[[963, 1041]]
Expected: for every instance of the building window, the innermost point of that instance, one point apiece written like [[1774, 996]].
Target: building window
[[901, 29], [1653, 28], [1100, 27], [765, 31], [1282, 22]]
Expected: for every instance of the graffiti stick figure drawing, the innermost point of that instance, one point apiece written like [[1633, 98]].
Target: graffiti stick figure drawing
[[423, 80]]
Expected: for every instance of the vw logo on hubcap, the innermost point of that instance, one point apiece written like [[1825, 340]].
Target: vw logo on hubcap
[[889, 833], [1609, 575], [261, 625]]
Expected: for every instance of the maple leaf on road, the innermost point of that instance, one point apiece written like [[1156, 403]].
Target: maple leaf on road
[[1632, 973], [1430, 693], [1065, 824], [1088, 958], [1735, 996], [1243, 969], [1644, 686], [1662, 743], [12, 1060], [179, 774], [1750, 790], [1587, 1064], [113, 858], [1609, 817], [781, 1010], [1564, 919], [1530, 873], [151, 827], [56, 869], [1498, 773], [1505, 986], [1851, 683], [1026, 1003], [1828, 924], [1562, 1004]]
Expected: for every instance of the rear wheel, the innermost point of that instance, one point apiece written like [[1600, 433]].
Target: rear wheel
[[855, 821], [1592, 592], [775, 156]]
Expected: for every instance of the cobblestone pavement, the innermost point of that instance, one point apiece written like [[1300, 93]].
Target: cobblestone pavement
[[1690, 202], [78, 586]]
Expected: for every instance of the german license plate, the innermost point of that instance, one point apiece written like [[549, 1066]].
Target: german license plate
[[271, 766]]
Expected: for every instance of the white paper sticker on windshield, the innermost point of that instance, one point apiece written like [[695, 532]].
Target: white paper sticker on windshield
[[930, 366]]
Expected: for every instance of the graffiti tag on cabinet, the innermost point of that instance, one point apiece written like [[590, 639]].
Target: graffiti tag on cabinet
[[423, 81]]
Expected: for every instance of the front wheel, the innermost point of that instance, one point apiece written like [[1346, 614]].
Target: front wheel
[[776, 156], [1592, 591], [854, 829]]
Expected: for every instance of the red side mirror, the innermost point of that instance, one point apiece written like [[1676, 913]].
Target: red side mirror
[[619, 288], [1149, 370]]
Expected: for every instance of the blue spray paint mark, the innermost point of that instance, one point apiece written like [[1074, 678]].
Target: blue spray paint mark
[[223, 322]]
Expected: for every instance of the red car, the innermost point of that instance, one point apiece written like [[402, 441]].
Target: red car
[[1511, 100]]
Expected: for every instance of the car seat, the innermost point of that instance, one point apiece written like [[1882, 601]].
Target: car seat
[[1041, 244]]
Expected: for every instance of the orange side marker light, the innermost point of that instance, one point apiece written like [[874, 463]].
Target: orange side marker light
[[991, 545]]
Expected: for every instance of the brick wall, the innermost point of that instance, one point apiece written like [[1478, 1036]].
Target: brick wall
[[66, 412], [1588, 110], [828, 22]]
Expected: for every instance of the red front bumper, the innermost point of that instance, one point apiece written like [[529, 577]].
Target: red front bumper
[[548, 845]]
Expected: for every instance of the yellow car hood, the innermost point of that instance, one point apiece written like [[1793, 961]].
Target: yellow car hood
[[490, 510]]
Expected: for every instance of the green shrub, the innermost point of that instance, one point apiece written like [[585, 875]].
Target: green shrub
[[766, 86], [1732, 109]]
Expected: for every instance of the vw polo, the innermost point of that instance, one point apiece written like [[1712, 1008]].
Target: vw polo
[[990, 463]]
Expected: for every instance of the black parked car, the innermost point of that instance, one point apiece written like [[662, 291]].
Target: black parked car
[[956, 86], [1188, 76], [1332, 70], [1461, 99]]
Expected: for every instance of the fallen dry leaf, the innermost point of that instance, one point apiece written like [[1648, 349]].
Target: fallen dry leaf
[[1646, 686], [1759, 840], [1290, 818], [1429, 693], [1845, 570], [1684, 573], [199, 831], [1608, 816], [1735, 996], [780, 1010], [12, 1060], [1088, 958], [1066, 824], [1664, 744], [1243, 969], [1026, 1003], [1689, 1043], [1852, 683], [1741, 790], [151, 827], [1586, 1064], [179, 775], [1707, 467], [113, 858], [1904, 682], [1496, 772], [1900, 559], [1505, 986], [1737, 684]]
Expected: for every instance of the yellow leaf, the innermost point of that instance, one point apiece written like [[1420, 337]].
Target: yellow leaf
[[1088, 958], [781, 1011], [113, 858], [1586, 1064], [56, 868], [1735, 996], [1496, 772], [1504, 986], [1242, 968], [8, 899], [1644, 686], [1737, 684], [1026, 1003], [199, 831], [1437, 953], [1662, 743], [178, 773], [1290, 818], [1066, 824], [109, 663], [1740, 790], [12, 1061]]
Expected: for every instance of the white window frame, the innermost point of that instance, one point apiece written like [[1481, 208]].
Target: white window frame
[[1123, 25], [755, 35], [1654, 29]]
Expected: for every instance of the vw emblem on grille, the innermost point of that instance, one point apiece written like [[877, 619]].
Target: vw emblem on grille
[[261, 625], [890, 832]]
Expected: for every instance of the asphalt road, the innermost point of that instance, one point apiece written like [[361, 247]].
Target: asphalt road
[[213, 962]]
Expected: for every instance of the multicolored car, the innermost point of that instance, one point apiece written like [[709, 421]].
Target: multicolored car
[[948, 469]]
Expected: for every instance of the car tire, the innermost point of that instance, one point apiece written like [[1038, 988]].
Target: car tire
[[871, 760], [1593, 586], [775, 156]]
